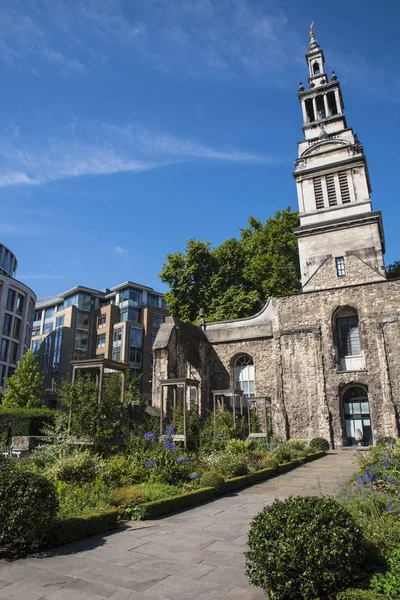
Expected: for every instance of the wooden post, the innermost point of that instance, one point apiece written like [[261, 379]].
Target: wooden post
[[234, 409], [184, 415], [248, 416], [174, 396], [161, 409]]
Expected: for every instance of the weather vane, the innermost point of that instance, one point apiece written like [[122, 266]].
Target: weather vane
[[312, 31]]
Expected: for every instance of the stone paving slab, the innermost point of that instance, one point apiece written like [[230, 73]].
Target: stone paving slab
[[195, 555]]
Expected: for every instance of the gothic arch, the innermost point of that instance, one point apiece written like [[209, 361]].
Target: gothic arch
[[356, 414]]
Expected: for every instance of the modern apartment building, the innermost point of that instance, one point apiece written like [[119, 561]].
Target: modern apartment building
[[17, 305], [119, 323]]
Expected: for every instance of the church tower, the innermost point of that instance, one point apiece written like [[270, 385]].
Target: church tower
[[340, 237]]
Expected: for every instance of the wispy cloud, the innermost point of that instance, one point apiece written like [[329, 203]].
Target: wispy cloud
[[114, 149], [119, 250]]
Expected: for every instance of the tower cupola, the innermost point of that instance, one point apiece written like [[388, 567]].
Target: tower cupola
[[334, 192]]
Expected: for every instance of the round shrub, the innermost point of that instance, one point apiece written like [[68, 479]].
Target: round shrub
[[212, 479], [319, 444], [230, 465], [127, 496], [237, 447], [28, 506], [261, 460], [303, 548], [385, 441], [80, 467], [355, 594]]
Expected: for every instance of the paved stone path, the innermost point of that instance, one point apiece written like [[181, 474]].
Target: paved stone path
[[197, 554]]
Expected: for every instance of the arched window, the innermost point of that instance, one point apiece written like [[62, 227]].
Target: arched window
[[350, 354], [244, 375], [316, 68], [357, 416]]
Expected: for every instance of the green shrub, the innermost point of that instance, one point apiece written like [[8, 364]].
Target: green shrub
[[80, 466], [212, 479], [65, 531], [237, 447], [229, 465], [303, 548], [128, 496], [319, 444], [389, 582], [385, 441], [259, 460], [159, 491], [122, 471], [356, 594], [28, 506], [376, 515], [153, 510], [218, 429], [79, 499], [25, 421]]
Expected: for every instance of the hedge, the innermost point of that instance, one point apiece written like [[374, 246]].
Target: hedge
[[65, 531], [25, 421], [160, 508]]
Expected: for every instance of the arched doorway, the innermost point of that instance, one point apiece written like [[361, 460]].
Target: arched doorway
[[244, 376], [357, 416]]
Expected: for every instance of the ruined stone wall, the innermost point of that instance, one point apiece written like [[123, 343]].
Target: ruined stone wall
[[376, 303]]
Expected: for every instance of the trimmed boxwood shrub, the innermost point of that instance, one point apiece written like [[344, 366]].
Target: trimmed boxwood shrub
[[28, 506], [65, 531], [159, 508], [303, 548], [319, 443], [355, 594], [25, 421], [212, 479]]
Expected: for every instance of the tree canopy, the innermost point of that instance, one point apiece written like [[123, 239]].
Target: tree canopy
[[24, 388], [393, 270], [234, 279]]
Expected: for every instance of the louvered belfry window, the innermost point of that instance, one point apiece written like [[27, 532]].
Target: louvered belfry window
[[344, 187], [318, 192], [330, 186]]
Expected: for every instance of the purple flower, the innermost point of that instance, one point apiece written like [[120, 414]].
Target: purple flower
[[195, 475], [170, 445], [385, 463], [360, 480], [149, 463], [183, 460], [391, 479], [389, 509], [170, 430], [149, 435]]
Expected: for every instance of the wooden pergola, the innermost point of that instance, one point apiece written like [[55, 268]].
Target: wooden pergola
[[262, 404], [100, 367], [232, 394], [175, 384]]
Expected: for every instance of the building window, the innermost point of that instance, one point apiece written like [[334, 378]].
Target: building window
[[49, 313], [2, 370], [131, 298], [244, 376], [101, 341], [318, 193], [20, 304], [82, 320], [36, 330], [331, 189], [348, 333], [10, 300], [48, 327], [344, 187], [340, 267], [16, 328], [116, 354], [130, 314], [81, 340], [101, 321], [36, 346], [7, 324], [46, 353], [13, 352], [117, 337], [316, 70], [157, 320], [152, 300], [319, 100], [3, 349], [38, 315], [357, 416], [82, 301]]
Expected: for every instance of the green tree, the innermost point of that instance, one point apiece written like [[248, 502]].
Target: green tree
[[234, 279], [24, 388], [393, 270]]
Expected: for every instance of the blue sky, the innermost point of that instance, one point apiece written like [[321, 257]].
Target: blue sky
[[129, 126]]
